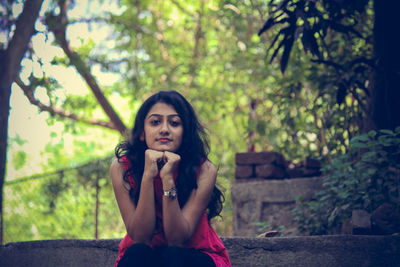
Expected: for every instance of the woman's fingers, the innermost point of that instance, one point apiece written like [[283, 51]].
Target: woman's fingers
[[152, 159], [163, 162], [171, 157], [171, 162]]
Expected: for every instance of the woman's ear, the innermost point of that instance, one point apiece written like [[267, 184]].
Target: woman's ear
[[142, 137]]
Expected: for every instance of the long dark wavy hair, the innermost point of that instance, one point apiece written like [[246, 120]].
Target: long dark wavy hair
[[193, 150]]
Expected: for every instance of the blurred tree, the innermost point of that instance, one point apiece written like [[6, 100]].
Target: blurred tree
[[18, 33], [10, 58], [207, 50]]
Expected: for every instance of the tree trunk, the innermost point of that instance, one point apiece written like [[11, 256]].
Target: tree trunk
[[385, 94], [10, 64]]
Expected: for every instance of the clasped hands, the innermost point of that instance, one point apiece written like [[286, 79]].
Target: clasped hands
[[168, 162]]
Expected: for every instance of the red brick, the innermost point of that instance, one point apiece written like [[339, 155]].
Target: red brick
[[269, 171], [244, 171], [258, 158]]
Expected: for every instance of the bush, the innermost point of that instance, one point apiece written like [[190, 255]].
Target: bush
[[367, 176]]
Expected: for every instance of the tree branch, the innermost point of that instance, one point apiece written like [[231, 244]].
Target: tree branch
[[59, 111], [181, 8], [259, 10], [58, 25]]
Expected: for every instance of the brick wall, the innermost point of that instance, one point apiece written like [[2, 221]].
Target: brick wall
[[272, 165]]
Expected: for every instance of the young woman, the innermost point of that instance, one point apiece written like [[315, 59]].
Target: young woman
[[165, 189]]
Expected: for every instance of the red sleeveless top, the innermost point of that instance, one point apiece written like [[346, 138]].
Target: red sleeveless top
[[204, 238]]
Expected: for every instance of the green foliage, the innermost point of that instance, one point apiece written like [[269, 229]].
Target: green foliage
[[367, 176], [335, 38], [211, 53], [62, 205], [262, 226], [19, 156]]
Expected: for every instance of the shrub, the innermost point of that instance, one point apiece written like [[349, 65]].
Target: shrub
[[364, 178]]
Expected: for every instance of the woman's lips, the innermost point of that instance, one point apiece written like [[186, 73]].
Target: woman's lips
[[164, 140]]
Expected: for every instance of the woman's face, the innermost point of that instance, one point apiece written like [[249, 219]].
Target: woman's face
[[163, 128]]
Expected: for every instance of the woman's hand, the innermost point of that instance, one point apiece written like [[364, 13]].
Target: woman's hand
[[152, 157], [171, 162]]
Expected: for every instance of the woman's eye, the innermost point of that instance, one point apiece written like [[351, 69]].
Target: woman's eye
[[155, 122], [175, 123]]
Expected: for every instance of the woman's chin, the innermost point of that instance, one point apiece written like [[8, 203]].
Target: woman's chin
[[164, 148]]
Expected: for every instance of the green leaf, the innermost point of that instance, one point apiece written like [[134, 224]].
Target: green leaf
[[356, 145], [261, 127], [268, 24], [386, 131], [286, 53], [360, 138], [372, 133], [19, 159], [369, 156]]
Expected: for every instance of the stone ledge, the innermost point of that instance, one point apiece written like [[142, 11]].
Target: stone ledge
[[63, 253], [327, 251], [310, 251]]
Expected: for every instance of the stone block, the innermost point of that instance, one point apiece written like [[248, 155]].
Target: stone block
[[244, 171], [347, 227], [269, 201], [258, 158], [385, 220], [361, 222], [269, 171]]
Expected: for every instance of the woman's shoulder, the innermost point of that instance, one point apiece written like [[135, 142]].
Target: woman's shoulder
[[208, 165], [121, 162], [116, 167], [207, 168], [117, 174]]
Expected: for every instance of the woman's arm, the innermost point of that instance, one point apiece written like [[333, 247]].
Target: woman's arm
[[139, 221], [180, 224]]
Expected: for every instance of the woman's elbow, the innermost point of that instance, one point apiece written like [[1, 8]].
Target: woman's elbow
[[139, 237], [177, 239]]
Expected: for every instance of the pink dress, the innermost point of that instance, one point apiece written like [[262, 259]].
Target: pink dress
[[204, 238]]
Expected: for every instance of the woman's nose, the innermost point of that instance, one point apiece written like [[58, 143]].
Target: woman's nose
[[164, 127]]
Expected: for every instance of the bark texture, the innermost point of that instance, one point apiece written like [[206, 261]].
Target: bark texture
[[385, 95]]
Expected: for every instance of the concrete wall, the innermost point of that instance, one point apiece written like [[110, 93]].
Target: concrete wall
[[345, 250]]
